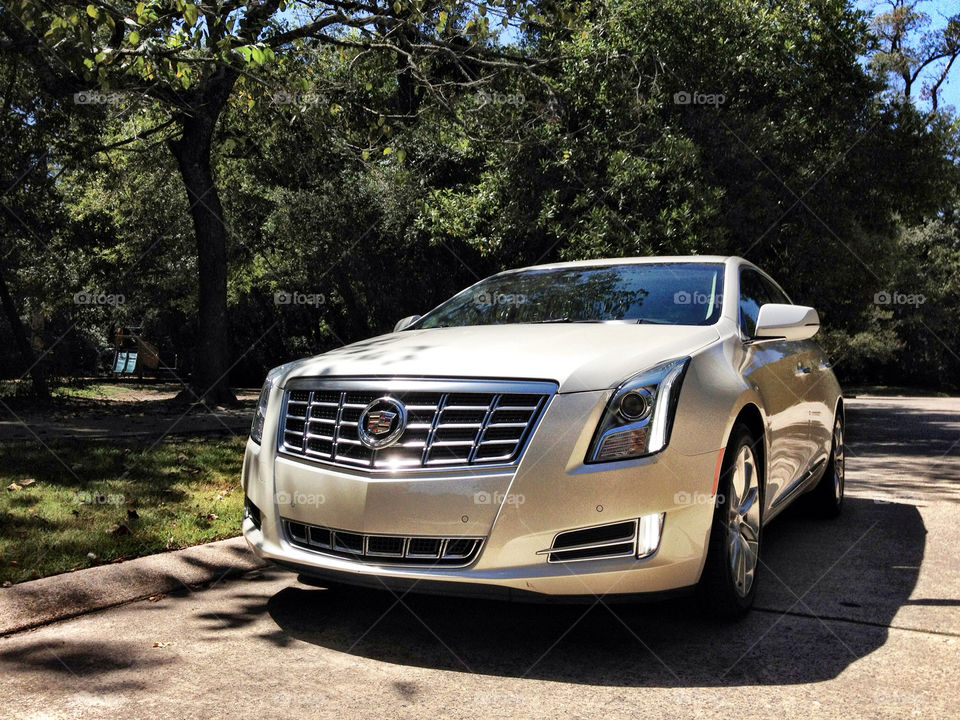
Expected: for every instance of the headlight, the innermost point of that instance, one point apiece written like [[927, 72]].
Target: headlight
[[256, 429], [638, 418]]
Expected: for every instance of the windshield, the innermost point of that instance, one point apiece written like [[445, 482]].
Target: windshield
[[662, 293]]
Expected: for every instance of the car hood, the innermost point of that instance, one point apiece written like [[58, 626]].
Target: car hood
[[577, 356]]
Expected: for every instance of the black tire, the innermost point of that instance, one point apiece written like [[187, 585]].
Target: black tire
[[826, 498], [718, 592]]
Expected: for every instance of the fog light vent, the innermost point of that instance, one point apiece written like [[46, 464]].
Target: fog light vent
[[602, 541], [251, 511]]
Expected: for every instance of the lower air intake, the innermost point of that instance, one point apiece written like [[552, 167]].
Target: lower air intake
[[602, 541], [380, 549]]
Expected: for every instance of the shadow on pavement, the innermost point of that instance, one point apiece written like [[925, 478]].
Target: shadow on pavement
[[860, 569]]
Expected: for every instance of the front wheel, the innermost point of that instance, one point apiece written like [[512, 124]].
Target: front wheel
[[729, 582], [826, 499]]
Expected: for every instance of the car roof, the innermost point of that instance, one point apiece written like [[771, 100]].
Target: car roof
[[646, 260]]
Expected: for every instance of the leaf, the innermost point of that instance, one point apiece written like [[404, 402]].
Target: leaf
[[257, 55], [401, 155], [133, 38], [27, 481], [93, 12], [190, 14], [387, 150], [14, 486]]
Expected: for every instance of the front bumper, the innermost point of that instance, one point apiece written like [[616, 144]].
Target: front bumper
[[517, 510]]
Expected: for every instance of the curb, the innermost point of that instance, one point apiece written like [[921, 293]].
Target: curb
[[40, 602]]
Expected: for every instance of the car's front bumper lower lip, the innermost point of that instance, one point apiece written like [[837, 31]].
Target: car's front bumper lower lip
[[518, 511]]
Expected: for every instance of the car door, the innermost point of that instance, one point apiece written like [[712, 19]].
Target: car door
[[781, 371], [822, 396]]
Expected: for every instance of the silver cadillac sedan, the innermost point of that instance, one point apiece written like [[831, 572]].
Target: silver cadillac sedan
[[578, 430]]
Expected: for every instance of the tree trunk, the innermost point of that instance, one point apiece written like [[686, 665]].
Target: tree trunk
[[35, 368], [213, 360]]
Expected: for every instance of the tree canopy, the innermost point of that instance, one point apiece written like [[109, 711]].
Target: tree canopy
[[266, 180]]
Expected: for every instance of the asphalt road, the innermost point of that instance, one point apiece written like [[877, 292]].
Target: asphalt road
[[857, 617]]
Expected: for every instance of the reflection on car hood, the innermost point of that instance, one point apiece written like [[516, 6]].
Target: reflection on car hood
[[578, 356]]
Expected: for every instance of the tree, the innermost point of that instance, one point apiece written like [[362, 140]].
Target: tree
[[34, 128], [908, 50], [186, 58], [726, 127]]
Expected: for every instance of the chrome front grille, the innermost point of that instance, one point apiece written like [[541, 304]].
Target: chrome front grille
[[449, 423], [390, 549]]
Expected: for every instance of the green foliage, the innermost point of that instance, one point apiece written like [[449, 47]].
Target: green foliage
[[384, 187], [78, 504]]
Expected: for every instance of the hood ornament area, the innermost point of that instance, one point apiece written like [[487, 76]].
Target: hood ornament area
[[382, 422]]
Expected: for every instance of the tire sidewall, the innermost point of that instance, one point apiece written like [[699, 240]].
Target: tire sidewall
[[740, 437]]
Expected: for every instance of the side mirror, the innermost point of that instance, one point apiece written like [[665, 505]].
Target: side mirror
[[406, 322], [777, 321]]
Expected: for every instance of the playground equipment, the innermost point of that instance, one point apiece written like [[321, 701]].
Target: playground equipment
[[135, 356]]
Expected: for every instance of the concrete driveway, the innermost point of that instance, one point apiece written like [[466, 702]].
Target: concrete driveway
[[858, 617]]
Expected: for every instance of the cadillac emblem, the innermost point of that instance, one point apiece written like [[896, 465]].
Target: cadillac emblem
[[382, 422]]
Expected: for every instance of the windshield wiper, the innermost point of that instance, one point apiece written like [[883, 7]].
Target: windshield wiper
[[563, 320]]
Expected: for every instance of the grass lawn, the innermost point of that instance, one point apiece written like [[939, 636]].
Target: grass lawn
[[88, 503]]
